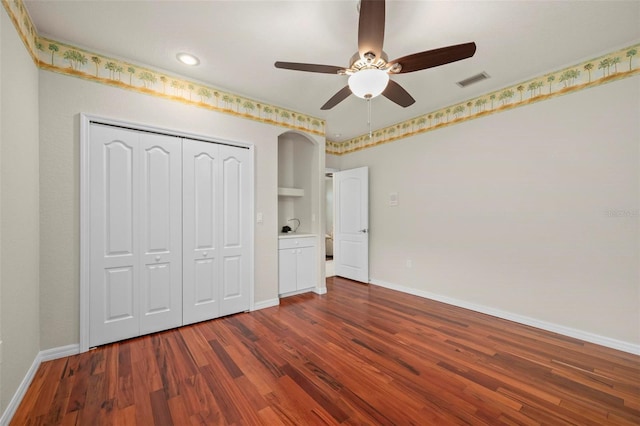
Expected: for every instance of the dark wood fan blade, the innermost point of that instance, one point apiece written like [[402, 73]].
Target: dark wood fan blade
[[396, 93], [296, 66], [371, 27], [337, 98], [434, 58]]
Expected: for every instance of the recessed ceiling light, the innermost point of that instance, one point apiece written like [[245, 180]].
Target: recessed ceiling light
[[188, 59]]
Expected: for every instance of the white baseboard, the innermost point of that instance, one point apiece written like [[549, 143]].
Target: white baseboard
[[42, 356], [60, 352], [265, 304], [320, 290], [544, 325]]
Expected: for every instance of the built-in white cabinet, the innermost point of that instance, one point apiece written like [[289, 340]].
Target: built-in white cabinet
[[169, 234], [297, 263]]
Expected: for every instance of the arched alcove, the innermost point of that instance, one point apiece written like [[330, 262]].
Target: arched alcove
[[298, 176], [301, 195]]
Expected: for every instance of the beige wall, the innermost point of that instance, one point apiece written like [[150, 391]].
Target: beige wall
[[533, 211], [62, 99], [19, 212], [332, 161]]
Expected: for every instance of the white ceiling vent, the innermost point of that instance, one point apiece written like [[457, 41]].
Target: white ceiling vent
[[473, 79]]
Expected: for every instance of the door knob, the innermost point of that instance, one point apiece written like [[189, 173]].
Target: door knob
[[204, 254], [157, 258], [364, 231]]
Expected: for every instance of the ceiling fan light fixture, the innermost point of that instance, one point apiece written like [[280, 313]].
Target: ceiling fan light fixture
[[368, 83]]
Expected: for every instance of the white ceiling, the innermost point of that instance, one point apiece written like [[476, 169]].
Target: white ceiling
[[238, 42]]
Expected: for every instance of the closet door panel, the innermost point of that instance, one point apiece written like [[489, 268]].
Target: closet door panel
[[204, 202], [114, 257], [235, 163], [160, 200], [205, 273], [201, 224], [118, 200], [118, 294], [158, 298], [232, 278]]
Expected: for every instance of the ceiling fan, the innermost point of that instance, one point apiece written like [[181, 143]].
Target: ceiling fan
[[370, 67]]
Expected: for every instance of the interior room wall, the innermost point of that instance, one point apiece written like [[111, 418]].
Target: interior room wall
[[19, 210], [306, 173], [332, 161], [533, 211], [62, 99], [285, 179]]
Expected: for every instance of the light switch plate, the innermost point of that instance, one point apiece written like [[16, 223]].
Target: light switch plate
[[259, 217], [393, 199]]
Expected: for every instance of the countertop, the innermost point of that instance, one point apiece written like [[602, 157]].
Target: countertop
[[295, 235]]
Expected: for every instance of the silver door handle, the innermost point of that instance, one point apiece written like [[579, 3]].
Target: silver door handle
[[364, 231]]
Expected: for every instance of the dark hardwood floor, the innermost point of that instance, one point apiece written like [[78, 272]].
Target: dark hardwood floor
[[357, 355]]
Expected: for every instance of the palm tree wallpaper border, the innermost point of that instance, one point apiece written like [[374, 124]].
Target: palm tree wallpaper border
[[604, 69], [62, 58], [65, 59]]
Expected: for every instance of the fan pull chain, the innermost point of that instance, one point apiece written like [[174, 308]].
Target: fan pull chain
[[369, 118]]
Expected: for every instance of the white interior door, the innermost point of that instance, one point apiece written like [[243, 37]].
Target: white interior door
[[114, 298], [160, 232], [136, 237], [216, 234], [169, 232], [236, 218], [201, 224], [351, 224]]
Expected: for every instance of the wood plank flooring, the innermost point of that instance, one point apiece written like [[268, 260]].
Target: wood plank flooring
[[357, 355]]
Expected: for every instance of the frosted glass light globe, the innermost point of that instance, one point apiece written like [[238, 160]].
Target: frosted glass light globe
[[368, 83]]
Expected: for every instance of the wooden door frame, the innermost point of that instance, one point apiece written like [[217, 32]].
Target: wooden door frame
[[85, 209]]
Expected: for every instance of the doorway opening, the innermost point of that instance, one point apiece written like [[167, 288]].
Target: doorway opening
[[329, 229]]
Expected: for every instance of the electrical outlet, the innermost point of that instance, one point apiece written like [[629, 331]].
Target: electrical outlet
[[259, 217]]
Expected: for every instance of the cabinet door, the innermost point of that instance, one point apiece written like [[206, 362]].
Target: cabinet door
[[114, 248], [201, 224], [306, 270], [160, 232], [287, 270]]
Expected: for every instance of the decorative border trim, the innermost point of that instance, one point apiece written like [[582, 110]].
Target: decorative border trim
[[55, 56], [42, 356], [613, 66], [592, 73], [520, 319]]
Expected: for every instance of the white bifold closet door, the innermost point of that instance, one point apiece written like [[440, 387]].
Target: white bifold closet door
[[215, 230], [170, 239], [136, 233]]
